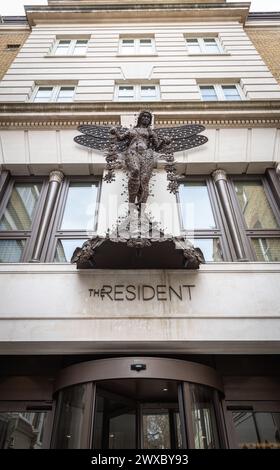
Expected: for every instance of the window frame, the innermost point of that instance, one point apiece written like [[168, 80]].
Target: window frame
[[137, 91], [28, 235], [137, 46], [54, 232], [71, 47], [201, 44], [247, 234], [218, 88], [54, 93], [220, 232]]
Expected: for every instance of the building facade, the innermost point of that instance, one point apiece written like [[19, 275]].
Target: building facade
[[13, 33], [146, 358]]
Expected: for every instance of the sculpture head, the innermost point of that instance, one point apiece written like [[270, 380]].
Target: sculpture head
[[144, 119]]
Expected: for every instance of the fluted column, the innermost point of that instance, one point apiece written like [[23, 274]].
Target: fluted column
[[55, 180], [220, 179]]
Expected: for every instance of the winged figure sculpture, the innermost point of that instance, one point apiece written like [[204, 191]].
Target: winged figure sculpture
[[137, 150]]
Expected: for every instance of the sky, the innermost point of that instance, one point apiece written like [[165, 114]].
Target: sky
[[15, 7]]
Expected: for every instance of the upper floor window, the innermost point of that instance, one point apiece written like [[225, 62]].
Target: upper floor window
[[137, 46], [220, 92], [46, 94], [70, 47], [137, 92], [204, 46]]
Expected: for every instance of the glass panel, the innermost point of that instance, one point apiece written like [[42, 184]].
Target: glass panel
[[193, 46], [70, 418], [231, 93], [156, 430], [65, 94], [268, 425], [245, 429], [63, 47], [79, 212], [20, 210], [128, 46], [211, 46], [80, 47], [267, 249], [210, 247], [21, 430], [208, 93], [254, 205], [126, 92], [195, 206], [65, 249], [178, 432], [148, 92], [114, 423], [43, 95], [11, 250], [203, 418], [145, 45]]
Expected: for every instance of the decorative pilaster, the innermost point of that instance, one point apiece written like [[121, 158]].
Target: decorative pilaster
[[220, 179], [55, 180]]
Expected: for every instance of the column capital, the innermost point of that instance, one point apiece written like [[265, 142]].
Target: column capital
[[277, 169], [218, 175], [57, 176]]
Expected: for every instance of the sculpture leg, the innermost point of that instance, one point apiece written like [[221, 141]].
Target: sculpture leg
[[133, 167], [146, 173]]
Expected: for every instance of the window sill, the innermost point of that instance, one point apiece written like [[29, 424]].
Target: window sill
[[49, 56], [136, 55], [203, 54]]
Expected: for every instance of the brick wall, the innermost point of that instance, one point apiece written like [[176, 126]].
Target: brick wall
[[267, 43], [7, 55]]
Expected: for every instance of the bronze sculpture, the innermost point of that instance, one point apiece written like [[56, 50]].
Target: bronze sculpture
[[137, 150]]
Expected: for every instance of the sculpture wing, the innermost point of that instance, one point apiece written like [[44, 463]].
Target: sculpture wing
[[183, 137], [99, 137]]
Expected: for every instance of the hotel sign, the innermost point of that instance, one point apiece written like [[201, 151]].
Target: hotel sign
[[145, 292]]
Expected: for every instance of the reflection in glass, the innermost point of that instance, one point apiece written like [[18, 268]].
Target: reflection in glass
[[257, 430], [267, 249], [21, 430], [156, 430], [70, 418], [11, 250], [255, 205], [79, 212], [203, 418], [20, 210], [115, 422], [210, 247], [65, 249], [195, 205]]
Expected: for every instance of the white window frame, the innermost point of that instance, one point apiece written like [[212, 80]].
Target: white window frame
[[201, 44], [218, 87], [70, 49], [137, 92], [136, 48], [54, 93]]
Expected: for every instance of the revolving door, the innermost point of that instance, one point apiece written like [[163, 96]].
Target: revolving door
[[138, 403]]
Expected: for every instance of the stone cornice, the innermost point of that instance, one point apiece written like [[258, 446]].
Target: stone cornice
[[38, 115], [111, 12]]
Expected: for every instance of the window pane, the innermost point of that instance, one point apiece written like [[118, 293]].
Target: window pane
[[195, 206], [255, 205], [70, 417], [126, 92], [21, 430], [208, 93], [148, 92], [66, 94], [79, 212], [65, 249], [231, 93], [156, 430], [245, 429], [80, 47], [128, 46], [210, 247], [267, 249], [145, 45], [43, 94], [11, 250], [211, 46], [62, 47], [193, 46], [268, 425], [20, 210], [203, 418]]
